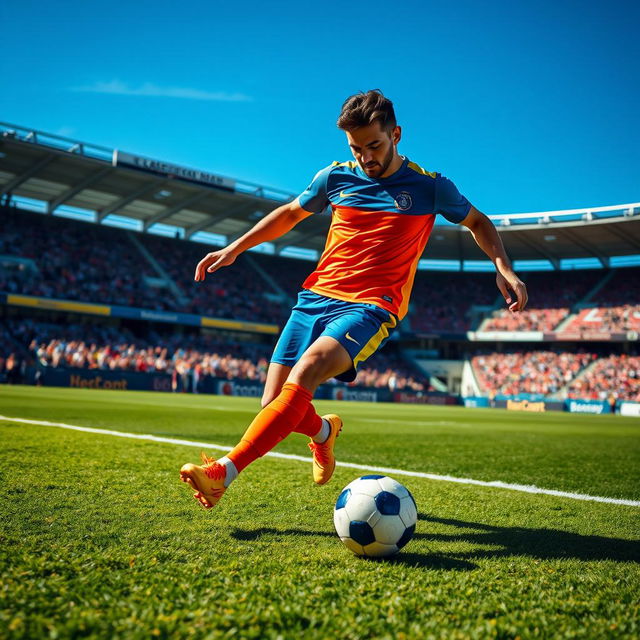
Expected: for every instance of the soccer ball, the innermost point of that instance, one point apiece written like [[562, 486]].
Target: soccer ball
[[375, 516]]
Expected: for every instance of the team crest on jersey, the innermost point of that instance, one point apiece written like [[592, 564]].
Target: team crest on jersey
[[403, 201]]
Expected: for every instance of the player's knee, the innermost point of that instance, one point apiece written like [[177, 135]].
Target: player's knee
[[267, 398], [312, 369], [312, 362]]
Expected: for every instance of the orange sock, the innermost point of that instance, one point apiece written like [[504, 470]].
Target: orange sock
[[274, 423], [310, 424]]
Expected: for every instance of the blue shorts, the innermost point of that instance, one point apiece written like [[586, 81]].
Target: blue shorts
[[360, 328]]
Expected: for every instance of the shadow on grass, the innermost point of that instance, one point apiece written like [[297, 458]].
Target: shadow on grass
[[424, 560], [543, 544]]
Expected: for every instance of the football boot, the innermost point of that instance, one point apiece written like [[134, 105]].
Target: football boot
[[207, 480], [324, 462]]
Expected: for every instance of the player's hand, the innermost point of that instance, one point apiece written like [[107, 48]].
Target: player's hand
[[510, 286], [212, 262]]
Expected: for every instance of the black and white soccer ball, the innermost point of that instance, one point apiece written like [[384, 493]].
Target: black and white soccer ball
[[375, 516]]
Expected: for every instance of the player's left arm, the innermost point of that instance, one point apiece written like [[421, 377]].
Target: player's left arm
[[487, 238]]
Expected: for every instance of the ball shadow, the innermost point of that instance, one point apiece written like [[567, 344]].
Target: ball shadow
[[422, 560]]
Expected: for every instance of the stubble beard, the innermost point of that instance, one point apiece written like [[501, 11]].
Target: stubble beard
[[385, 165]]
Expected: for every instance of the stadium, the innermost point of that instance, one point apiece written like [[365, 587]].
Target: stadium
[[517, 434], [97, 251]]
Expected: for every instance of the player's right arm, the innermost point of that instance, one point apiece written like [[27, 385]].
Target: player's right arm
[[280, 221], [272, 226]]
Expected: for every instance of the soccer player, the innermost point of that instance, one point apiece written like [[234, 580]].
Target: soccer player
[[383, 209]]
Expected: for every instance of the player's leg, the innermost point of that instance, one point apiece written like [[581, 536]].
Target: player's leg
[[312, 425], [273, 423], [332, 334], [321, 361], [357, 331], [277, 375], [286, 407], [325, 359], [210, 479]]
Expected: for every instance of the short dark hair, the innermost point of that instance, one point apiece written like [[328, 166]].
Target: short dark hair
[[365, 108]]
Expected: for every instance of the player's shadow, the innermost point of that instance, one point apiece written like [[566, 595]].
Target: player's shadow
[[424, 560], [542, 544]]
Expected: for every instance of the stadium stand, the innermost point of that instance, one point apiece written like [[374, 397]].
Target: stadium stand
[[288, 273], [188, 357], [60, 258], [531, 372], [625, 317], [616, 376], [442, 301], [529, 320], [585, 318], [613, 308], [237, 293], [551, 297], [623, 286]]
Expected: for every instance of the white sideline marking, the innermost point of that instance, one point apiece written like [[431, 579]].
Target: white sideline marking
[[350, 465]]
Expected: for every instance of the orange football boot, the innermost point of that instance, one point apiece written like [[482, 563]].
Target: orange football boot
[[207, 480], [324, 462]]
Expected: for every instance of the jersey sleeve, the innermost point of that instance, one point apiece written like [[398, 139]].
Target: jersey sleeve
[[450, 202], [314, 198]]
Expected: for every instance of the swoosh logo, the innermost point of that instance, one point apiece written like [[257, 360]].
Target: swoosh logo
[[347, 195], [348, 337]]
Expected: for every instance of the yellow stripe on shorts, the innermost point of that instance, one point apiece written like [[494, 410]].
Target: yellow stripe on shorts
[[375, 341]]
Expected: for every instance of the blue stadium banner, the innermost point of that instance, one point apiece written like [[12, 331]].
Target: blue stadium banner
[[359, 394], [171, 317], [476, 402], [587, 406], [99, 379]]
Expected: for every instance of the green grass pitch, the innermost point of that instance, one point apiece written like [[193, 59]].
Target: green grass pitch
[[99, 539]]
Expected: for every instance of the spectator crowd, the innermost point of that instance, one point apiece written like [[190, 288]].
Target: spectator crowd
[[56, 257], [187, 358], [532, 372], [616, 376], [551, 296], [613, 319]]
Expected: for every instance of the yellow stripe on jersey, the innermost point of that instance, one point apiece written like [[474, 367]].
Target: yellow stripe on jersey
[[375, 341], [349, 163], [418, 169]]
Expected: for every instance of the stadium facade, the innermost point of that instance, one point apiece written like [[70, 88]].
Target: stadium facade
[[103, 242]]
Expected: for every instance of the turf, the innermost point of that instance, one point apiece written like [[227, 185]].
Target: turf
[[99, 539]]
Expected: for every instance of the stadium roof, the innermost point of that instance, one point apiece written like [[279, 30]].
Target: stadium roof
[[68, 175]]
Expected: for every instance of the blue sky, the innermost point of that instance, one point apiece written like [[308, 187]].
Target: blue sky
[[526, 106]]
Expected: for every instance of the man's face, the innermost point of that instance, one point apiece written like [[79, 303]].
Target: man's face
[[374, 149]]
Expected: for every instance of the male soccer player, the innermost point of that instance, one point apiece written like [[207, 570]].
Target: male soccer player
[[383, 210]]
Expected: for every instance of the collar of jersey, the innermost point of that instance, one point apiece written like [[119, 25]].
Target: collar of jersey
[[393, 176]]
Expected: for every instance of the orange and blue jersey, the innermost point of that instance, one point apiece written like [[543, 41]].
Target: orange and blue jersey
[[379, 229]]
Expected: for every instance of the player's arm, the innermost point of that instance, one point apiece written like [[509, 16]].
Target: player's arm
[[272, 226], [487, 238]]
